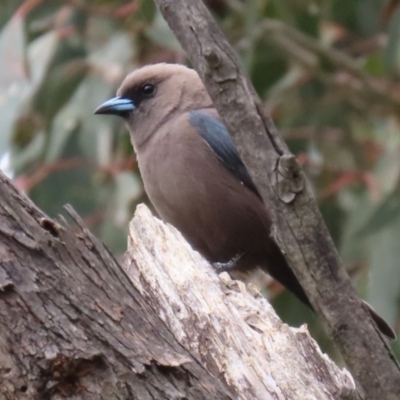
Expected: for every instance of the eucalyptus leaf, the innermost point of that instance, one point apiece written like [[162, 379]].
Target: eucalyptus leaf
[[14, 81], [384, 282]]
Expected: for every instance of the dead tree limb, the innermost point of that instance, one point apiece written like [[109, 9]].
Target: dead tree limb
[[299, 228], [233, 331], [74, 324]]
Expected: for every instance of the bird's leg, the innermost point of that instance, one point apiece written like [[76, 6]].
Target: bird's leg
[[228, 265]]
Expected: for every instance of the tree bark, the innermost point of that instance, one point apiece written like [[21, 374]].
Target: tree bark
[[230, 328], [298, 226], [76, 325], [72, 325]]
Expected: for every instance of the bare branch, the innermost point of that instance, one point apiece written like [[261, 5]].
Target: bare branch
[[231, 330], [300, 230], [72, 325]]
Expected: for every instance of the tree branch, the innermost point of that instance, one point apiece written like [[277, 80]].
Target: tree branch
[[299, 228], [232, 330], [73, 325], [313, 54]]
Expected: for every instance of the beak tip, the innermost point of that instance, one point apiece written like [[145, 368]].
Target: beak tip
[[97, 111], [116, 106]]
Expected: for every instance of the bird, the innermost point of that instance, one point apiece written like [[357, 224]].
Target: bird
[[194, 176]]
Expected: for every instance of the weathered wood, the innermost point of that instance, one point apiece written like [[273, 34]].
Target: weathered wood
[[299, 228], [73, 326], [231, 330]]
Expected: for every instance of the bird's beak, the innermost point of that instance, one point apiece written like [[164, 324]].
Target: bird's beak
[[116, 106]]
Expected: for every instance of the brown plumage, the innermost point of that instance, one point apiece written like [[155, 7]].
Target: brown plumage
[[193, 174]]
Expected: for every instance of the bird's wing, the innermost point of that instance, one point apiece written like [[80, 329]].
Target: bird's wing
[[214, 133]]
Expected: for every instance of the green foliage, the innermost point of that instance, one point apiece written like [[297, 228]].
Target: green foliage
[[326, 70]]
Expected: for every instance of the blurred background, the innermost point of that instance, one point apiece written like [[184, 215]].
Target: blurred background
[[327, 70]]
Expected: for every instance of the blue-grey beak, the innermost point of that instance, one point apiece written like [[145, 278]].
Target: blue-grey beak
[[116, 106]]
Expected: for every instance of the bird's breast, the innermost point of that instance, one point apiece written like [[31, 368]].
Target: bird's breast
[[192, 190]]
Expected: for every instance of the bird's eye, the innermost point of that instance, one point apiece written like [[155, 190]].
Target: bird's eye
[[148, 89]]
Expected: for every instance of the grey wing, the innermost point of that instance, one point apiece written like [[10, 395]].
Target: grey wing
[[215, 134]]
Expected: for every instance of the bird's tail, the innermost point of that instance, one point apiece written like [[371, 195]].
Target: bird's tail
[[278, 268], [383, 326]]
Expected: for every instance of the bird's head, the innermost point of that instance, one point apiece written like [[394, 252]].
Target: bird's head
[[152, 94]]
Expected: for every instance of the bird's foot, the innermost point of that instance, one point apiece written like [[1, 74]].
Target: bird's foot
[[228, 265]]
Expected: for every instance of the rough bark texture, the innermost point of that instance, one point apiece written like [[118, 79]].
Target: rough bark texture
[[299, 228], [231, 330], [72, 325], [75, 325]]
